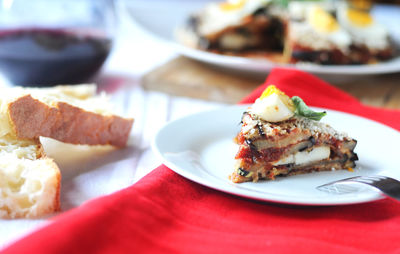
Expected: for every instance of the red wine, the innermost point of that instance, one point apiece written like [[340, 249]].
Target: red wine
[[44, 57]]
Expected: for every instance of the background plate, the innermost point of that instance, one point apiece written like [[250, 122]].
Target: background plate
[[200, 147], [175, 12]]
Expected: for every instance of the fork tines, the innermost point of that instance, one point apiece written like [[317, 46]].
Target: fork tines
[[387, 185]]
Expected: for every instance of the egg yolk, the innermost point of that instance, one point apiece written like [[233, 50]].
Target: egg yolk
[[361, 4], [322, 20], [271, 89], [230, 6], [359, 18]]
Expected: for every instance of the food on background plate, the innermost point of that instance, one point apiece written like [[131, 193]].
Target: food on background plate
[[29, 180], [336, 34], [321, 32], [370, 40], [247, 28], [281, 136], [315, 36]]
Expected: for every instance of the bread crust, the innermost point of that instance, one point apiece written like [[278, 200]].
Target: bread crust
[[51, 205], [56, 202], [32, 118]]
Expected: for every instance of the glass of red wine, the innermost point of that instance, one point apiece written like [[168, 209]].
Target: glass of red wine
[[50, 42]]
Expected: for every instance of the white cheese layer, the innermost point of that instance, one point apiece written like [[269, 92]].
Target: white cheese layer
[[305, 157]]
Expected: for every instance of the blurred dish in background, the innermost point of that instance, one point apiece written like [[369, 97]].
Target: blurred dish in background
[[147, 15], [320, 32], [54, 42]]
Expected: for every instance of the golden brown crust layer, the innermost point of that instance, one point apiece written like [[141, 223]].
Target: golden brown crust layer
[[56, 206], [268, 172], [31, 119]]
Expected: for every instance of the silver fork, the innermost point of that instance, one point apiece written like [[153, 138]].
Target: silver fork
[[387, 185]]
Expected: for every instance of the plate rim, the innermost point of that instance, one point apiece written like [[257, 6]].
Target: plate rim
[[373, 196], [264, 65]]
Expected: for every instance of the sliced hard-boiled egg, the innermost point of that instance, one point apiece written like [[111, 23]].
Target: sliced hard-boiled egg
[[273, 105], [363, 27], [327, 26], [218, 16], [359, 18], [322, 21], [360, 4]]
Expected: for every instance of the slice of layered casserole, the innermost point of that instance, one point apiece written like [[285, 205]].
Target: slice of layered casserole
[[281, 136]]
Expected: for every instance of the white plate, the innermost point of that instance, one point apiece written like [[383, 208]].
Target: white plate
[[200, 147], [175, 12]]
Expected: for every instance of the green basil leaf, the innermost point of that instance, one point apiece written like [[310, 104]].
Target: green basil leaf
[[303, 110]]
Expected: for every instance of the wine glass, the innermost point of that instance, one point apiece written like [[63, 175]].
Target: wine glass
[[45, 43]]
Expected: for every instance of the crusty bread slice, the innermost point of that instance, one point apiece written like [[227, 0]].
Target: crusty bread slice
[[71, 114], [29, 181]]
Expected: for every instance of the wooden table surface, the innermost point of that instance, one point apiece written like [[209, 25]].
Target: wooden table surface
[[185, 77]]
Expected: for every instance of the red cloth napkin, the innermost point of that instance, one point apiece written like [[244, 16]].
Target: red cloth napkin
[[166, 213]]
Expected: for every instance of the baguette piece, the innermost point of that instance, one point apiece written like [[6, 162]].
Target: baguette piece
[[29, 181], [71, 114]]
